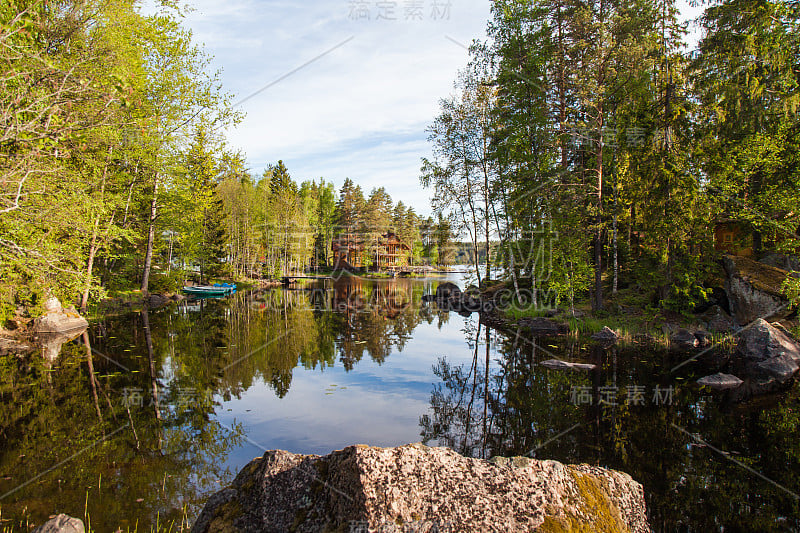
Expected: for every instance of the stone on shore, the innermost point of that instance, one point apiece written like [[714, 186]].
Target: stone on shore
[[448, 290], [61, 524], [417, 488], [720, 381], [755, 290], [59, 320], [542, 327], [606, 335], [684, 339], [770, 357], [763, 341]]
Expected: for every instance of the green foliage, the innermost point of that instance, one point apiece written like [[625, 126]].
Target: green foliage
[[792, 288], [587, 122], [163, 282], [103, 100]]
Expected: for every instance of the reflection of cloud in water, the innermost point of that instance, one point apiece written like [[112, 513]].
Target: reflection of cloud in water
[[372, 404]]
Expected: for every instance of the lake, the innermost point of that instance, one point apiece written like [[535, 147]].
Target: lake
[[173, 402]]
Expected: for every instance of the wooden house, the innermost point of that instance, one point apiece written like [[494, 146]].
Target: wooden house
[[736, 237], [732, 237], [392, 251], [349, 249]]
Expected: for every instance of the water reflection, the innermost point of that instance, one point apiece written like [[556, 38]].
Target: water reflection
[[151, 412], [705, 465]]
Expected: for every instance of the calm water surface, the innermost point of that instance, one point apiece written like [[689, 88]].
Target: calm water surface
[[172, 403]]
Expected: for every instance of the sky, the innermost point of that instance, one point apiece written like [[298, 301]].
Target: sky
[[340, 88]]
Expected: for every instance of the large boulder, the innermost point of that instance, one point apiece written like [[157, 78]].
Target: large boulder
[[769, 356], [447, 290], [61, 524], [763, 341], [417, 488], [755, 290], [59, 320]]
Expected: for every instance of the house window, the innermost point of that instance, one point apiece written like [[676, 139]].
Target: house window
[[727, 238]]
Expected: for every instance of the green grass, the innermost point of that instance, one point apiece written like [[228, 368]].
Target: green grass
[[628, 313]]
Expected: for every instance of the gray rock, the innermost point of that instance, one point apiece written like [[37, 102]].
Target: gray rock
[[684, 339], [157, 300], [717, 320], [558, 364], [755, 290], [784, 262], [606, 335], [542, 327], [447, 290], [761, 341], [52, 305], [720, 381], [769, 356], [780, 368], [59, 320], [418, 488], [61, 524]]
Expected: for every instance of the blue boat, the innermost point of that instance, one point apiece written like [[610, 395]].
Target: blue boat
[[217, 289]]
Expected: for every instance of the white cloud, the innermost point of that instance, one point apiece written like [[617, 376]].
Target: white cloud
[[359, 111]]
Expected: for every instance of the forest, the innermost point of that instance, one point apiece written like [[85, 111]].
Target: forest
[[116, 175], [601, 151], [584, 150]]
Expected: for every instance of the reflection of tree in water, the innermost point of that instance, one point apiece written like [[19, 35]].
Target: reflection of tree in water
[[263, 336], [374, 317], [161, 454], [156, 460], [456, 420], [521, 408]]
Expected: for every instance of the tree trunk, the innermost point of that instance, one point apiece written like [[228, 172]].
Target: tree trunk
[[597, 302], [614, 241], [486, 216], [151, 235], [93, 245], [598, 236], [153, 376]]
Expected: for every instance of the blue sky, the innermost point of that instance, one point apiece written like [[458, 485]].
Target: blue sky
[[359, 111], [369, 88]]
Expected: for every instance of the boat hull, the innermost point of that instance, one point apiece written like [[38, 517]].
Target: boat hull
[[209, 291]]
